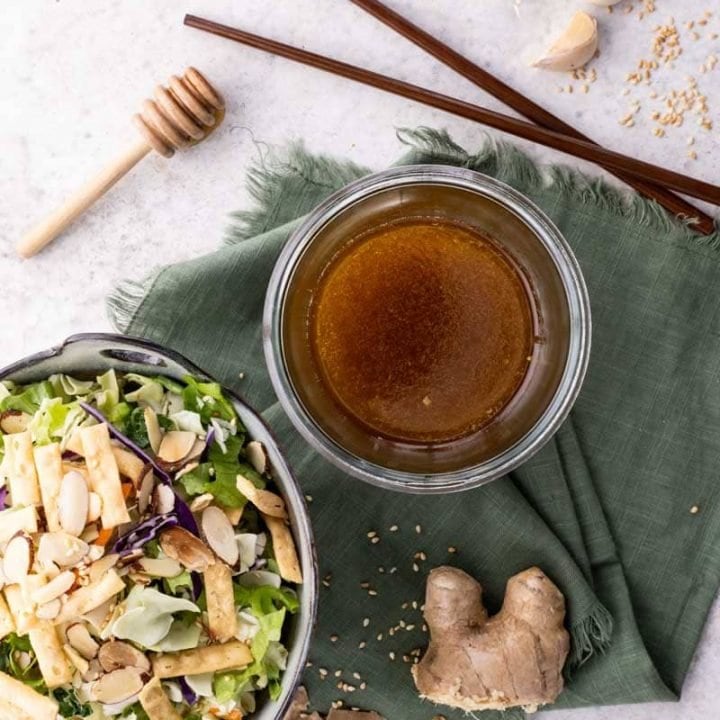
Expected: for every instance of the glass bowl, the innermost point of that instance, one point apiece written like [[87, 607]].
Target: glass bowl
[[556, 291]]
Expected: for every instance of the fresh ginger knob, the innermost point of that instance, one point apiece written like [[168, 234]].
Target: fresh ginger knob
[[514, 658]]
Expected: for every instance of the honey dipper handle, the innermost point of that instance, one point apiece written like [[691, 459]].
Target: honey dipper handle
[[74, 206]]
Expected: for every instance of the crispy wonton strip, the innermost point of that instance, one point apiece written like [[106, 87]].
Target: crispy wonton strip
[[156, 703], [51, 659], [14, 521], [265, 501], [213, 658], [49, 465], [20, 468], [22, 701], [129, 464], [285, 552], [21, 606], [87, 598], [222, 618], [104, 474], [7, 623]]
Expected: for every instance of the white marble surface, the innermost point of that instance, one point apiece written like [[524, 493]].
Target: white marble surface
[[75, 71]]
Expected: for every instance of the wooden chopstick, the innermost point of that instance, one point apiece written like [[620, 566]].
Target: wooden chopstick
[[579, 148], [523, 105]]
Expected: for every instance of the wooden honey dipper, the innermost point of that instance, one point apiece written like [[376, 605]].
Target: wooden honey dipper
[[181, 115]]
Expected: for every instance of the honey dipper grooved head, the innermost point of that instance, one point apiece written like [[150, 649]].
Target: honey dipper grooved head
[[182, 114]]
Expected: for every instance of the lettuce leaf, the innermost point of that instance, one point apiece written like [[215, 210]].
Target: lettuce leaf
[[29, 399], [27, 673], [207, 399], [265, 599], [69, 706], [218, 476]]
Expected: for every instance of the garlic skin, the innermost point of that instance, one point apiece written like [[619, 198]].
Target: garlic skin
[[574, 48]]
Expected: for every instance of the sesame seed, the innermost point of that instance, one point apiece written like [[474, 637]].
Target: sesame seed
[[381, 569], [372, 593], [363, 685], [338, 673], [694, 510], [366, 622], [379, 637], [585, 88], [372, 534], [391, 655], [322, 672], [394, 528], [409, 628], [375, 540], [308, 664], [393, 570], [693, 156], [333, 638], [362, 645], [415, 567], [309, 498], [364, 585], [356, 675], [452, 549], [418, 529]]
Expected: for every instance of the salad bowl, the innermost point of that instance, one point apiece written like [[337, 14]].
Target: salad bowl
[[87, 357]]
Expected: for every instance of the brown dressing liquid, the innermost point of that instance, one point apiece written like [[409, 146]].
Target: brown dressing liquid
[[422, 331]]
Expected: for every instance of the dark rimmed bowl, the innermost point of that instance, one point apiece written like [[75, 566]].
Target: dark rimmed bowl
[[93, 353]]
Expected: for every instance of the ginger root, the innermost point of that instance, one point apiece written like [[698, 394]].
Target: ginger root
[[514, 658]]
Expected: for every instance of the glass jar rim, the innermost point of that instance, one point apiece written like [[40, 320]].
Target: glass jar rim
[[577, 356]]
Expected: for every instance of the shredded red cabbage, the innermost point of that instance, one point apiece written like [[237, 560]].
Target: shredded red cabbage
[[143, 533], [189, 695], [3, 498], [197, 585], [126, 441], [185, 516], [208, 441]]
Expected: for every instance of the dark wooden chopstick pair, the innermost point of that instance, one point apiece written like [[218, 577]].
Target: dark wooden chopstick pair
[[653, 181]]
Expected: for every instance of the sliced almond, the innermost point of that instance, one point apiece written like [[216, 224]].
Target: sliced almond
[[145, 492], [118, 654], [80, 663], [257, 455], [53, 590], [176, 445], [18, 559], [220, 534], [94, 671], [94, 507], [160, 567], [79, 637], [14, 421], [61, 549], [90, 534], [154, 433], [163, 500], [186, 469], [200, 502], [49, 611], [117, 686], [73, 502], [101, 566], [191, 552], [234, 515], [196, 451], [99, 616], [575, 47], [95, 553], [268, 503]]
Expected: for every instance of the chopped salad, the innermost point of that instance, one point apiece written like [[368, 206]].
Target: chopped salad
[[147, 571]]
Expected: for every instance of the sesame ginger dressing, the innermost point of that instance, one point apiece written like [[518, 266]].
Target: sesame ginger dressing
[[422, 330]]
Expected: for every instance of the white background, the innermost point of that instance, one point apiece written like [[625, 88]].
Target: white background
[[74, 71]]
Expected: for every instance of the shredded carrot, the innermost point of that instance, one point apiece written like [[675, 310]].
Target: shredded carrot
[[127, 490], [103, 537], [234, 715]]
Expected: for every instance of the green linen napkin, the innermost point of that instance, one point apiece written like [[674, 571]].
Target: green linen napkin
[[621, 509]]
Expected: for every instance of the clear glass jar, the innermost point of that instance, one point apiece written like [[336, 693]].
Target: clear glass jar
[[556, 289]]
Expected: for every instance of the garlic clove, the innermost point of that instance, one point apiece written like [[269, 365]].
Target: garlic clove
[[575, 47]]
